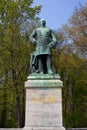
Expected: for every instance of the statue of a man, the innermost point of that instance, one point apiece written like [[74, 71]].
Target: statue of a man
[[44, 40]]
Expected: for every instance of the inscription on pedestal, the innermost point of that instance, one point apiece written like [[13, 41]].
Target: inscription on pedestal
[[43, 107], [46, 99]]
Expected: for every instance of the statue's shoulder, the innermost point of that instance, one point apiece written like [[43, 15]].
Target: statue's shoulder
[[40, 28], [49, 29], [37, 29]]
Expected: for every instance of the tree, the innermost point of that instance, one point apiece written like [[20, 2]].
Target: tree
[[14, 59], [71, 63], [77, 29]]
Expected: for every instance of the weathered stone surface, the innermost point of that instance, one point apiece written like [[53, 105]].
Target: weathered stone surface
[[43, 107], [35, 128], [44, 128], [43, 76], [43, 81], [43, 101]]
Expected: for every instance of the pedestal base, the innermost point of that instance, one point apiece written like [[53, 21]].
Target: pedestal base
[[43, 103], [44, 128]]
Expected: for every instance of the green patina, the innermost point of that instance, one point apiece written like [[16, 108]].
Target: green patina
[[44, 39]]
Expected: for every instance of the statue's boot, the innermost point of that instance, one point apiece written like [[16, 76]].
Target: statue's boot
[[50, 71], [40, 65], [49, 65]]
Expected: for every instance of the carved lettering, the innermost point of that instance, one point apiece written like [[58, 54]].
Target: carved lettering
[[46, 99]]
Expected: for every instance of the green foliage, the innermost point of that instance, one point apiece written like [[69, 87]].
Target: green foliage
[[78, 118], [74, 76], [14, 59], [70, 61], [76, 29]]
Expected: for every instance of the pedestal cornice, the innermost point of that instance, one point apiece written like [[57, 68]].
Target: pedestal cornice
[[43, 80]]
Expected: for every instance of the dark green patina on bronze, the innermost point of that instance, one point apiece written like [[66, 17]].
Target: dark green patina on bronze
[[44, 40]]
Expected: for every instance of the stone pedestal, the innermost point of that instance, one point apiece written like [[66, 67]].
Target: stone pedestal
[[43, 103]]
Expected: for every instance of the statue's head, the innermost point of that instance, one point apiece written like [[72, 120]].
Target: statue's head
[[42, 23]]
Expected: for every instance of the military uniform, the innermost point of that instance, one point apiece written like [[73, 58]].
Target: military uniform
[[44, 40]]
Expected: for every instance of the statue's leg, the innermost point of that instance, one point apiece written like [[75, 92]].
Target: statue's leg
[[31, 58], [40, 64], [49, 65]]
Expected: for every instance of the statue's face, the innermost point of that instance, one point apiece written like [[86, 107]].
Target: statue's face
[[42, 23]]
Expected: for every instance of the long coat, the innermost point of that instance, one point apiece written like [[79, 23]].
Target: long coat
[[44, 40]]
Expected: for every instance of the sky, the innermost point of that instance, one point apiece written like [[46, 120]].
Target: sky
[[57, 12]]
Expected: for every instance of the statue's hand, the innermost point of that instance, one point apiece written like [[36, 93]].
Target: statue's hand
[[51, 45], [34, 42]]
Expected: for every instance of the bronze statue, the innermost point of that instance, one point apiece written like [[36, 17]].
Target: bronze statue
[[44, 40]]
